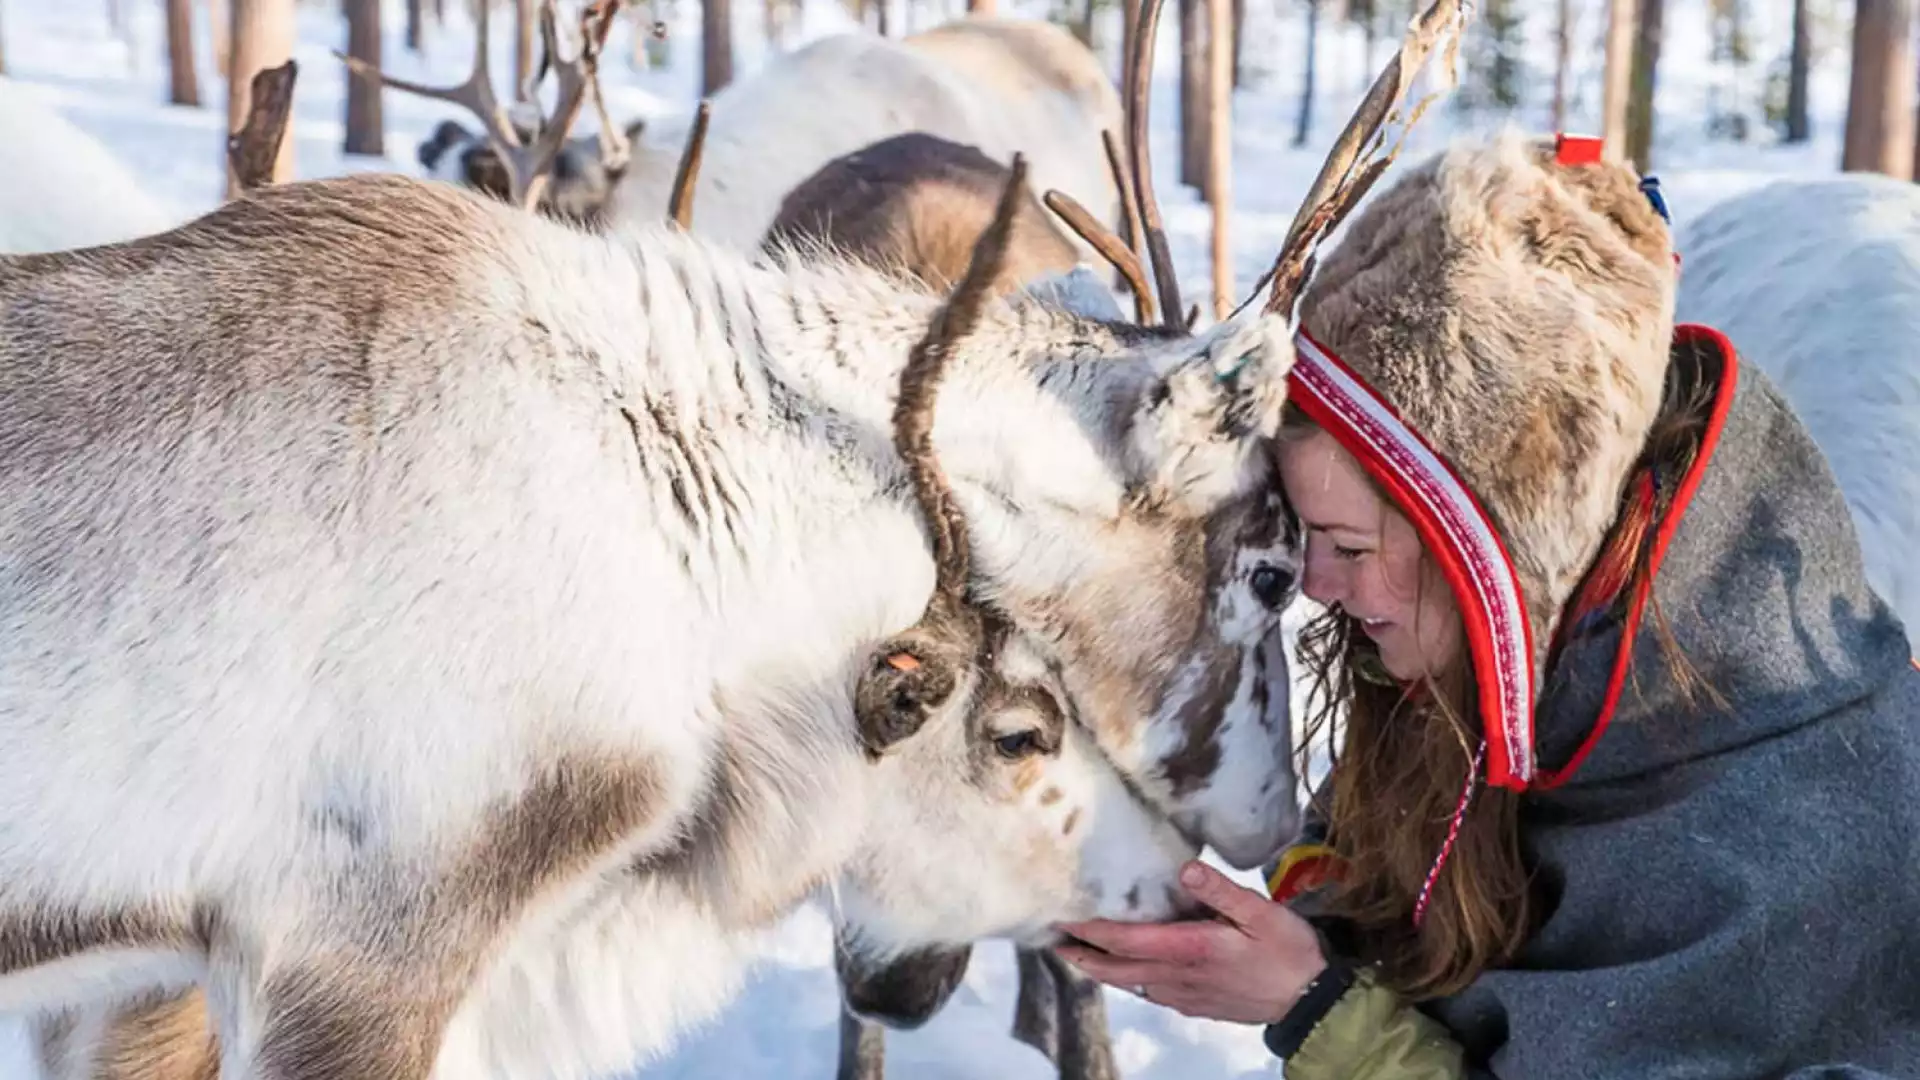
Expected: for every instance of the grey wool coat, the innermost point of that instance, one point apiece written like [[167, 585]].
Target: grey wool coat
[[1727, 893]]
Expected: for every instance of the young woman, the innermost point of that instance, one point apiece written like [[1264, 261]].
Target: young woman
[[1628, 781]]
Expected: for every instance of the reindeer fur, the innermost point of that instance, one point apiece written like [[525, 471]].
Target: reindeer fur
[[1817, 282], [1000, 85], [915, 203], [433, 630], [60, 187]]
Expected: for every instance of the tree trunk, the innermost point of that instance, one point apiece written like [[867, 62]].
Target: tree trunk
[[1562, 60], [526, 14], [1193, 93], [1220, 148], [3, 43], [222, 24], [183, 75], [978, 7], [1304, 125], [366, 133], [416, 25], [882, 18], [1646, 69], [262, 36], [1879, 133], [1622, 16], [1239, 35], [1129, 24], [1800, 59], [716, 46]]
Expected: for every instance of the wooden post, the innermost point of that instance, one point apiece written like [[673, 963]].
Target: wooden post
[[262, 36], [1220, 148], [1622, 19]]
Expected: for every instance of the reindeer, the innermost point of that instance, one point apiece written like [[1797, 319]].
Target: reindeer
[[1000, 85], [60, 187], [1059, 1011], [1835, 333], [596, 572]]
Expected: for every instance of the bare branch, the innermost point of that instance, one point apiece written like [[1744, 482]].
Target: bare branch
[[1350, 169], [253, 149], [1110, 247], [1138, 97], [680, 201], [919, 383]]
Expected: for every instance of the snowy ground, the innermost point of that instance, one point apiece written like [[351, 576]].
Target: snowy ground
[[784, 1025]]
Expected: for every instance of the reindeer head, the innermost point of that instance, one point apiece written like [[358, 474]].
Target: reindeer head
[[579, 186], [1162, 635], [519, 155]]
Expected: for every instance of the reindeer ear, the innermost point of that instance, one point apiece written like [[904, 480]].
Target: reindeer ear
[[1200, 434], [907, 679]]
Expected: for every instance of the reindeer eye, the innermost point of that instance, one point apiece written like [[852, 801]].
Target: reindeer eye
[[1018, 744], [1270, 586]]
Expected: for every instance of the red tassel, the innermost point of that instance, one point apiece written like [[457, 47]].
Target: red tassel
[[1577, 149]]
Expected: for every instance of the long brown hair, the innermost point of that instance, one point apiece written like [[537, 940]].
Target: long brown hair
[[1402, 752]]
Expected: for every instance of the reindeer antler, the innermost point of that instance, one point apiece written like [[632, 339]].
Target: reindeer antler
[[1138, 96], [1141, 210], [1348, 173], [916, 670], [680, 199], [920, 382], [527, 166]]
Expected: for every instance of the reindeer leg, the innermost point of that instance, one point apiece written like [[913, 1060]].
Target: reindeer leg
[[1037, 1013], [863, 1049], [1086, 1047]]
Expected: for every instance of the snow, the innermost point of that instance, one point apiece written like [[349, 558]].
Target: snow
[[65, 55]]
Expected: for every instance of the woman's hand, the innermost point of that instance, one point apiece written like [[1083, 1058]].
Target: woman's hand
[[1249, 966]]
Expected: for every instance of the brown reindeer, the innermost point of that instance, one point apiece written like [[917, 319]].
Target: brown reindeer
[[917, 203]]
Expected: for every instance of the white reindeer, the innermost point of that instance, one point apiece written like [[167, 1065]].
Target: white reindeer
[[505, 608], [60, 188], [1000, 85], [1817, 282]]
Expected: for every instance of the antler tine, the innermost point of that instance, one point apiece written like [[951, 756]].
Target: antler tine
[[1129, 215], [614, 147], [475, 94], [1110, 247], [1348, 173], [919, 383], [680, 199], [527, 167], [1138, 95]]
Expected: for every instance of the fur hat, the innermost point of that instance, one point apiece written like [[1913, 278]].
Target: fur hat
[[1506, 307]]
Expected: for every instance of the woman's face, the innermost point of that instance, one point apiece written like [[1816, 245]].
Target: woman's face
[[1365, 556]]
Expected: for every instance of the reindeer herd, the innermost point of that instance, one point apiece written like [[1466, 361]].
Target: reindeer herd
[[445, 620]]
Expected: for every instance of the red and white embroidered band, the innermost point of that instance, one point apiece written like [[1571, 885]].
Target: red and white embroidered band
[[1457, 534]]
